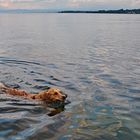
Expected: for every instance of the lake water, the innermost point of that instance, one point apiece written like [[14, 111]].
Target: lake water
[[93, 58]]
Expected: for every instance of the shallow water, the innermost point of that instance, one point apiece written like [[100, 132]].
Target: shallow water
[[95, 59]]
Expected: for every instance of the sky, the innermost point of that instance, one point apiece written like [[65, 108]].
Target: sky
[[69, 4]]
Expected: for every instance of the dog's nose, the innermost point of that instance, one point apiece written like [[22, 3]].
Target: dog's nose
[[64, 96]]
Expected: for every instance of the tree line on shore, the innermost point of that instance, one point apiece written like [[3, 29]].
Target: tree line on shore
[[120, 11]]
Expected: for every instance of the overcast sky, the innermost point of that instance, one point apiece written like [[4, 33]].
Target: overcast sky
[[69, 4]]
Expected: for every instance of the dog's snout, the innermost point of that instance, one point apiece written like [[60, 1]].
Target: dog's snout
[[64, 96]]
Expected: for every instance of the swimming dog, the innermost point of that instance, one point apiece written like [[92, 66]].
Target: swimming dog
[[51, 95]]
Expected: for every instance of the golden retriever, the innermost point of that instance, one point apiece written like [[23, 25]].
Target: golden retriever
[[49, 96]]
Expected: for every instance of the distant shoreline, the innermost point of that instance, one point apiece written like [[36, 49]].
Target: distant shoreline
[[120, 11]]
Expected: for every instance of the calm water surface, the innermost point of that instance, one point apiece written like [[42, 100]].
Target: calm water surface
[[95, 59]]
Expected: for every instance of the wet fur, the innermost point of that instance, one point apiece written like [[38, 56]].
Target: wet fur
[[49, 96]]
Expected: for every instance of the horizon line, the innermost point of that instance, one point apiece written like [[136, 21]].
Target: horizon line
[[61, 10]]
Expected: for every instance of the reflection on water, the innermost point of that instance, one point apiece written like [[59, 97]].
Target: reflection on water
[[92, 58]]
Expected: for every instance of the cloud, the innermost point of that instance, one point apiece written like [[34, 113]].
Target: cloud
[[67, 4], [106, 3], [27, 4], [5, 3]]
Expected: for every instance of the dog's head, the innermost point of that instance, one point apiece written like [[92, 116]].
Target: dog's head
[[52, 95]]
